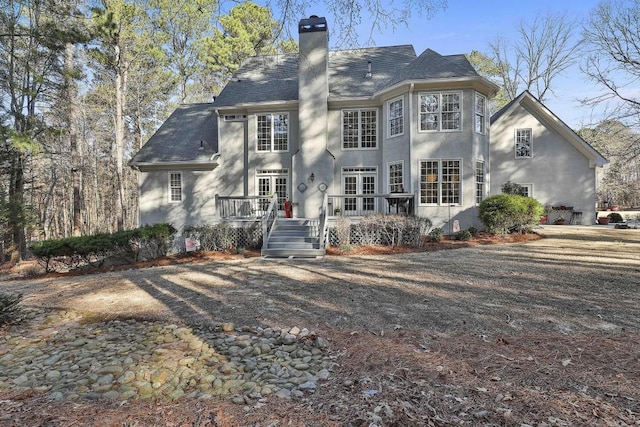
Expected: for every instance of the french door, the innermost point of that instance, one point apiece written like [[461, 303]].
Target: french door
[[359, 181], [272, 181]]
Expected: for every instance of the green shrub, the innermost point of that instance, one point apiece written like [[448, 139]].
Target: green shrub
[[122, 247], [504, 213], [436, 234], [473, 231], [463, 235], [615, 217], [9, 309]]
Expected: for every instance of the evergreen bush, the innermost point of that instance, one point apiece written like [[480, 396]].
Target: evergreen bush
[[504, 213], [615, 217], [9, 308]]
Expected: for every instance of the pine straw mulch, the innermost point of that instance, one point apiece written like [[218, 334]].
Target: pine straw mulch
[[409, 377]]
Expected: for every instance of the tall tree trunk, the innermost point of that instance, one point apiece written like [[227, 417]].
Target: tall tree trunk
[[76, 149], [16, 207], [119, 153]]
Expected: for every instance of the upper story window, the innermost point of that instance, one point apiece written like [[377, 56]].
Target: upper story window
[[441, 111], [396, 117], [480, 113], [175, 187], [273, 132], [524, 145], [359, 129]]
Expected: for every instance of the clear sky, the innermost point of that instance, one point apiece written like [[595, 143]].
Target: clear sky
[[471, 25]]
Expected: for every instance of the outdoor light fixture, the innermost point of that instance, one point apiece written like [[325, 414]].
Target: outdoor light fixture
[[312, 177]]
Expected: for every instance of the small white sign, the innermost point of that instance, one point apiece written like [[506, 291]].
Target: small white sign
[[191, 244], [456, 226]]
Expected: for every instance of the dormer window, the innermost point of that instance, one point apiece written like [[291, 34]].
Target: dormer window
[[273, 132], [441, 111]]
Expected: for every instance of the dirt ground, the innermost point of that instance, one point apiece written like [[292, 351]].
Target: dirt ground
[[542, 332]]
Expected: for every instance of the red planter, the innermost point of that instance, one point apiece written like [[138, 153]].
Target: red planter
[[604, 220]]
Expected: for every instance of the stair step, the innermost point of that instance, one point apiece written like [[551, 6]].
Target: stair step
[[289, 253], [293, 245], [279, 238], [294, 237]]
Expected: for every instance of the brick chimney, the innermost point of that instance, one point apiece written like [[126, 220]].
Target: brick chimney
[[313, 92]]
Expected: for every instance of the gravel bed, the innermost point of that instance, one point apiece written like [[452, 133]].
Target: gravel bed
[[62, 355]]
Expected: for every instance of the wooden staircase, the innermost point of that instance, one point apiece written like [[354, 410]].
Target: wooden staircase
[[294, 237]]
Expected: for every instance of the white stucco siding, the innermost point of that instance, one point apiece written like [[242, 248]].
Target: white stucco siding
[[198, 198], [557, 171], [232, 159]]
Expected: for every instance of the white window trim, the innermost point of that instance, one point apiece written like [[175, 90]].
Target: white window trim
[[271, 150], [359, 147], [389, 102], [529, 188], [484, 181], [515, 143], [389, 164], [440, 203], [170, 188], [484, 113], [440, 112]]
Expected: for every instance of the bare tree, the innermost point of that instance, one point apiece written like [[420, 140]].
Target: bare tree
[[348, 15], [612, 36], [545, 47]]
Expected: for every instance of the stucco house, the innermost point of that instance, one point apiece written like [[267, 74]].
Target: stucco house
[[531, 146], [356, 132]]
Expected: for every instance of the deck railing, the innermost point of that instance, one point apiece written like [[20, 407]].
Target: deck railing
[[245, 207], [323, 227], [268, 220], [356, 205]]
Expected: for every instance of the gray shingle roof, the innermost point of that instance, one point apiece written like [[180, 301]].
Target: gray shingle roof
[[178, 139], [432, 65], [262, 79], [275, 78]]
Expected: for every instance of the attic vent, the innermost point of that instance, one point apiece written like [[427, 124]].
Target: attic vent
[[235, 117], [368, 75]]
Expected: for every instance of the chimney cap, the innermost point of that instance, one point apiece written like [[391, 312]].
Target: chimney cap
[[312, 24]]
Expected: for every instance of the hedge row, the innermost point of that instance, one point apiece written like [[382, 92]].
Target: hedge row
[[122, 247]]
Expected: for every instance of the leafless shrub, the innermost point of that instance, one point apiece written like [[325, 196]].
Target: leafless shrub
[[343, 230]]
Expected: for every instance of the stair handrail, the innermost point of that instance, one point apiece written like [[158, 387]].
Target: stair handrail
[[268, 220], [324, 224]]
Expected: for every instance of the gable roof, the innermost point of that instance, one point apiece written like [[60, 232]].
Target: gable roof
[[548, 118], [274, 78], [431, 65], [189, 138]]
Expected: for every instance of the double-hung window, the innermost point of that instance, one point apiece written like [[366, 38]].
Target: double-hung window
[[273, 132], [480, 113], [441, 111], [359, 129], [440, 182], [396, 184], [396, 117], [175, 187], [479, 181], [524, 145]]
